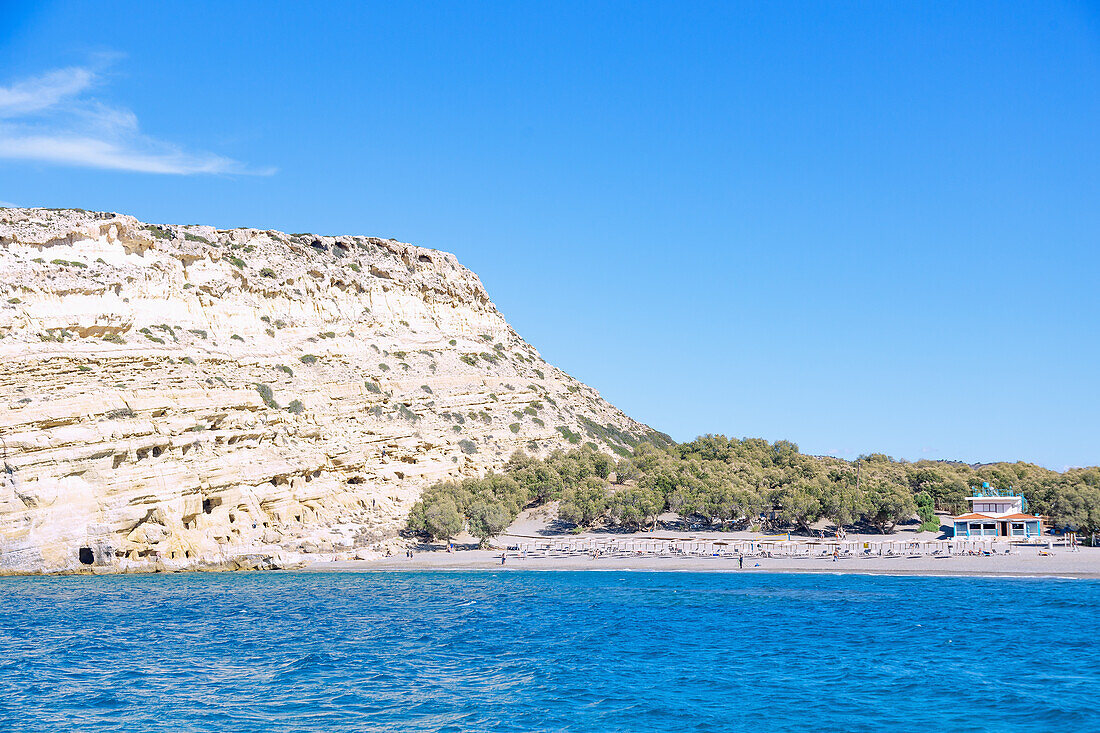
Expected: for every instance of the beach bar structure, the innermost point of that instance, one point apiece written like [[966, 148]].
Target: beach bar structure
[[997, 513]]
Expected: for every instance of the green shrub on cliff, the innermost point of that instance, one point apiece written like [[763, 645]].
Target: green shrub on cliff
[[569, 434], [267, 396]]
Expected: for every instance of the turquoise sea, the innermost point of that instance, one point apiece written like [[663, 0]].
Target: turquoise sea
[[533, 651]]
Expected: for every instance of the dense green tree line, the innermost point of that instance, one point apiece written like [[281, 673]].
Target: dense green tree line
[[723, 482], [486, 506]]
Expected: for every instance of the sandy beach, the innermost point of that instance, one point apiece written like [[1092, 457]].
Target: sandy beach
[[532, 542], [1082, 564]]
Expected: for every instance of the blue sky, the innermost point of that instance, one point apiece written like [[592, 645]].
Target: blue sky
[[858, 226]]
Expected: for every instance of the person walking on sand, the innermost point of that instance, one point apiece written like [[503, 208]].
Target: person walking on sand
[[836, 555], [741, 561], [502, 558]]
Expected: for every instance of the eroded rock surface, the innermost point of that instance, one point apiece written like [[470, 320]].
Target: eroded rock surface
[[187, 396]]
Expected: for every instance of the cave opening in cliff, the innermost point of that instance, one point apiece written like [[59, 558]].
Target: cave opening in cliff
[[87, 557]]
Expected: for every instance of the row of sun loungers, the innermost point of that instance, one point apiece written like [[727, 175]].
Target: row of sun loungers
[[756, 553]]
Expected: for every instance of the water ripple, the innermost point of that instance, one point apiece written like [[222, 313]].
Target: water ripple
[[524, 651]]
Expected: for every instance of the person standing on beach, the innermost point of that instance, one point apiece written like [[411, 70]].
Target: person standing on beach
[[741, 561]]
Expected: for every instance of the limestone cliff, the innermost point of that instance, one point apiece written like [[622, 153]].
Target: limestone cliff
[[185, 395]]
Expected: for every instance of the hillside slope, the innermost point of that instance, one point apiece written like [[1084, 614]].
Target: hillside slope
[[184, 395]]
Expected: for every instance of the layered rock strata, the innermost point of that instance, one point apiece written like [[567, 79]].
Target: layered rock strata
[[184, 396]]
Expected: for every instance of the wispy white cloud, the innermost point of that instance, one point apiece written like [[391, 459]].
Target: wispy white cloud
[[53, 118], [94, 153], [42, 92]]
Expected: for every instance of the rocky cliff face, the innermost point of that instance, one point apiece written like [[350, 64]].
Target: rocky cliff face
[[184, 395]]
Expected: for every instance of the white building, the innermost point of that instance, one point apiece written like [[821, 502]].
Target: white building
[[997, 513]]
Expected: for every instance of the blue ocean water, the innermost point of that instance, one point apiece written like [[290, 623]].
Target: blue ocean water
[[532, 651]]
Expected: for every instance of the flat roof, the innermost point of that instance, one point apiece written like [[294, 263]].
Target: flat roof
[[995, 517]]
